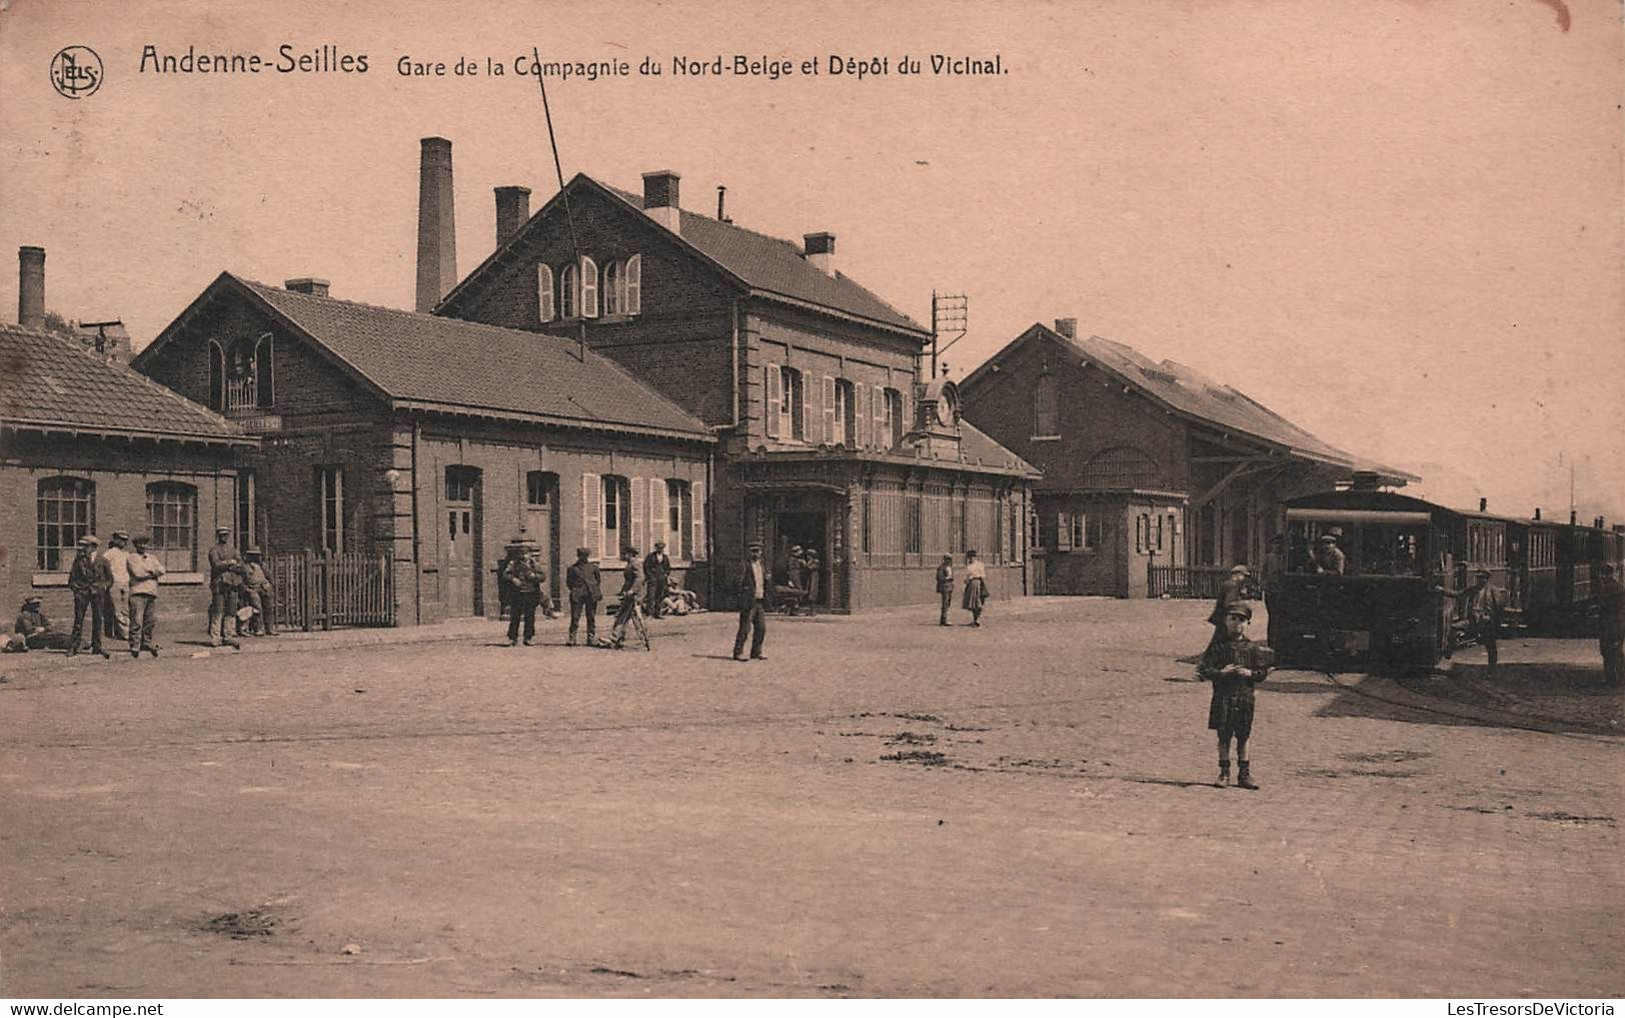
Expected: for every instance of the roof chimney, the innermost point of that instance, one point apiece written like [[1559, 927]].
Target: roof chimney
[[1067, 327], [31, 287], [1537, 512], [1483, 505], [308, 284], [819, 248], [513, 210], [437, 234], [1574, 517], [660, 199], [1366, 480], [722, 192]]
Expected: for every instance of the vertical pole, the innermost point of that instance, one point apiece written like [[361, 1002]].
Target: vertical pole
[[934, 335]]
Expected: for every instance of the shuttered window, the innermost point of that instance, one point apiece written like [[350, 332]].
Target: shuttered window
[[589, 287], [544, 292], [634, 285], [592, 527], [698, 551]]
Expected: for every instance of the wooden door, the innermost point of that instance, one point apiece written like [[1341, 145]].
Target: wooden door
[[461, 520], [541, 496]]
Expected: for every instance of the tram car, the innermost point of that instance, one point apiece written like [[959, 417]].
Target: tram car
[[1398, 601]]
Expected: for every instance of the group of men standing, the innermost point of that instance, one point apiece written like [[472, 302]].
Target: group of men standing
[[645, 584], [117, 587]]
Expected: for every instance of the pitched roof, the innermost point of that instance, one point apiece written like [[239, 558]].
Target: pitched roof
[[776, 267], [53, 382], [980, 448], [1188, 392], [447, 364], [767, 266]]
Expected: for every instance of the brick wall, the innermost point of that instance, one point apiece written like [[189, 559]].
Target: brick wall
[[121, 470]]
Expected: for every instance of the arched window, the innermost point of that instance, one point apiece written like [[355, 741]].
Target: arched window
[[1047, 415], [217, 377], [248, 382], [614, 287], [569, 285], [589, 288], [172, 521], [65, 511]]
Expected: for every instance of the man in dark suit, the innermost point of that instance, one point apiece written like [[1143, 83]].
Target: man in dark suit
[[753, 591], [945, 587], [656, 572], [586, 590], [632, 591], [1230, 593]]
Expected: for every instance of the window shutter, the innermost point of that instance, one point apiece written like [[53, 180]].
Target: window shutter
[[659, 525], [697, 549], [771, 380], [829, 409], [544, 292], [860, 415], [633, 304], [882, 434], [806, 407], [589, 288], [592, 511], [640, 510], [785, 404], [1063, 532]]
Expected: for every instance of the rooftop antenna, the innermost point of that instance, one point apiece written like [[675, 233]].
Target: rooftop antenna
[[950, 316], [569, 219]]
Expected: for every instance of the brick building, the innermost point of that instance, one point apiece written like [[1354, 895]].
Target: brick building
[[828, 435], [437, 441], [88, 446], [1143, 462]]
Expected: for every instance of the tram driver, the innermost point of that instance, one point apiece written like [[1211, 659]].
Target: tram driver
[[1328, 556]]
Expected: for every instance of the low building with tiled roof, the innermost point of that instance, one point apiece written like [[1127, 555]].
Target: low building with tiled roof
[[1145, 464], [89, 447], [829, 436], [436, 443]]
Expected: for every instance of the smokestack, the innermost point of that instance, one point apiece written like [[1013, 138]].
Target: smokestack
[[819, 249], [1067, 327], [660, 199], [437, 234], [1537, 512], [1483, 505], [31, 287], [721, 193], [1574, 517], [513, 211]]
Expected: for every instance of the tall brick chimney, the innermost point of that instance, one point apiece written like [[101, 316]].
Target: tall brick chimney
[[437, 234], [513, 211], [819, 249], [31, 287], [660, 199], [307, 284], [1067, 327]]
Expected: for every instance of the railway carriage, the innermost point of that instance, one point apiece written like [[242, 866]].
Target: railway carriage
[[1397, 604]]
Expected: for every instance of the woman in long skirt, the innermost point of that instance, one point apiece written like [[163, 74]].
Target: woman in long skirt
[[975, 587]]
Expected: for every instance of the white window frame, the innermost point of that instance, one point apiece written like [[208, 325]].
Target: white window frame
[[544, 292]]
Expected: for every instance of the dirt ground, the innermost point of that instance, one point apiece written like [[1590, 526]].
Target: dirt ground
[[882, 808]]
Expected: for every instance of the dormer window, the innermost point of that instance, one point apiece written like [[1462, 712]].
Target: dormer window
[[241, 379], [623, 286], [578, 289]]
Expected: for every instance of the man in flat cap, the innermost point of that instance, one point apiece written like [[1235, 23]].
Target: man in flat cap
[[632, 591], [585, 585], [1230, 593], [85, 580], [657, 573], [144, 572], [33, 630], [753, 592], [115, 562], [225, 587], [1329, 558], [259, 592]]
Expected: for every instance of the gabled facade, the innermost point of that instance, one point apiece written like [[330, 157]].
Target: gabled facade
[[1143, 463], [828, 437], [437, 442]]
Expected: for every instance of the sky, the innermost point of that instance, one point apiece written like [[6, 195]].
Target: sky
[[1398, 223]]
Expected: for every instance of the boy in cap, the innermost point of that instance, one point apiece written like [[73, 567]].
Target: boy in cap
[[585, 584], [753, 593], [1230, 592], [85, 580], [1234, 664], [259, 593], [33, 631], [144, 572]]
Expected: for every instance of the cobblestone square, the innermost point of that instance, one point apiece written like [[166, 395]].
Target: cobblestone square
[[882, 808]]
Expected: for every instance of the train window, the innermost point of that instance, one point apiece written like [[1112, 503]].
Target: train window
[[1389, 551]]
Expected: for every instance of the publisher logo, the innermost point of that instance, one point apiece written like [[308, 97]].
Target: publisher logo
[[76, 72]]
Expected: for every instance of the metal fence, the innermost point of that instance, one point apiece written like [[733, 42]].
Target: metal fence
[[323, 590], [1185, 581]]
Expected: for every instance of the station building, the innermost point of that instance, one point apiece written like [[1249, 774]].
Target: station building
[[1144, 463]]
